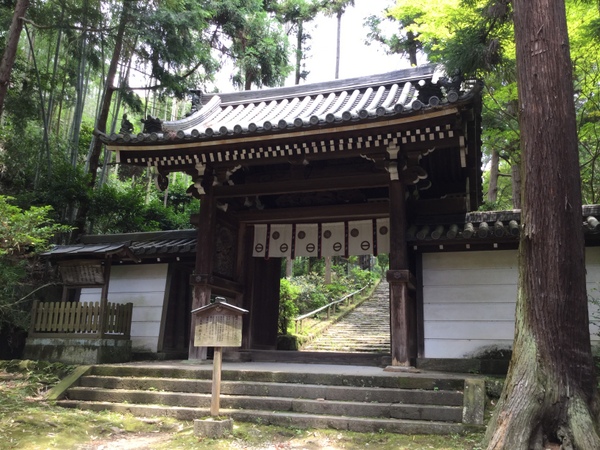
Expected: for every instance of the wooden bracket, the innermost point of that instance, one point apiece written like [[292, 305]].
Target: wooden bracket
[[401, 276], [200, 279]]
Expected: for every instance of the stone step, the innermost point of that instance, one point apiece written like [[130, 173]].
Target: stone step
[[353, 398], [283, 418], [292, 390], [270, 403], [435, 382], [365, 329], [364, 350]]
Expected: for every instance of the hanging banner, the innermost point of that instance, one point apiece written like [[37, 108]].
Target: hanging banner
[[260, 241], [307, 240], [280, 241], [383, 236], [360, 237], [333, 239]]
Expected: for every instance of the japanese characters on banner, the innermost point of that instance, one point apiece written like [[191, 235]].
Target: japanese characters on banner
[[360, 237]]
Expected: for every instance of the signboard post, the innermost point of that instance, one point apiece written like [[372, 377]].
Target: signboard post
[[219, 325]]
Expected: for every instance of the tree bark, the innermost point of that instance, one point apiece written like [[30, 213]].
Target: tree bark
[[493, 186], [412, 48], [10, 52], [79, 89], [327, 270], [338, 44], [550, 394], [515, 170], [94, 156], [299, 35]]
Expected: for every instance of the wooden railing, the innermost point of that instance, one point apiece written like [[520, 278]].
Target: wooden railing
[[80, 320], [330, 307]]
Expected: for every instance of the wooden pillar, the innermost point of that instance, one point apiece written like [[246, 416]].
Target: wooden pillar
[[243, 273], [398, 275], [104, 298], [204, 259]]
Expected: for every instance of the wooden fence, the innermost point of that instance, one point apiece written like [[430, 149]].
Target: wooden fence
[[81, 320]]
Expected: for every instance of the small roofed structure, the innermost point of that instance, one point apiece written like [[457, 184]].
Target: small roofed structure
[[89, 324], [76, 332]]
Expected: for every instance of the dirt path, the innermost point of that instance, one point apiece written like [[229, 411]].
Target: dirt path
[[145, 441]]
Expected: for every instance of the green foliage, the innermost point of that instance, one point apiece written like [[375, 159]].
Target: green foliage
[[119, 208], [14, 313], [288, 309], [23, 231], [171, 40], [313, 292], [360, 277], [383, 263], [475, 37], [256, 43]]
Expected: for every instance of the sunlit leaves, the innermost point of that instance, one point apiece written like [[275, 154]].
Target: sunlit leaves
[[23, 230]]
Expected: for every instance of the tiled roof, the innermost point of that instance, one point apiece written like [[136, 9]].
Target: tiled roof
[[479, 226], [402, 92], [130, 245], [121, 249]]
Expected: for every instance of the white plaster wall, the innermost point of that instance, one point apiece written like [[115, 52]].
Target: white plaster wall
[[469, 300], [143, 285]]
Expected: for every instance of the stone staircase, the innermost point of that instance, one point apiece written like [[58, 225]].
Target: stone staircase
[[365, 329], [351, 399]]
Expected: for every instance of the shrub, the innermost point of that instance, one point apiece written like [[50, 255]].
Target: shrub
[[288, 295], [314, 293], [23, 233]]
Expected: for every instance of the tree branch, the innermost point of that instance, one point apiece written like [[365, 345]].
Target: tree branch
[[69, 27]]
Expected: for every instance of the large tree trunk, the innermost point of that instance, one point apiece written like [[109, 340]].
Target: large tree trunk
[[10, 51], [550, 393], [515, 171], [299, 35], [338, 45], [493, 186], [96, 146], [94, 156], [79, 89]]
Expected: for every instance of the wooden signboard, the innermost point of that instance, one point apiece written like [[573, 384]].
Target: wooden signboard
[[222, 328], [218, 325], [82, 273]]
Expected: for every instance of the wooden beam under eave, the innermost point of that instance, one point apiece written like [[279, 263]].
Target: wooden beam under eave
[[311, 214], [373, 180]]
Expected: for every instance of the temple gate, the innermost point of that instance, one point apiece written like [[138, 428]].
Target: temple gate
[[387, 150]]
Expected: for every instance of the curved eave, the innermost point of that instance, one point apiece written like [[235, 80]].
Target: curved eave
[[182, 138], [220, 121]]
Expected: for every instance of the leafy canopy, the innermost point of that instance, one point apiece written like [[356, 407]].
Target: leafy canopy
[[24, 231]]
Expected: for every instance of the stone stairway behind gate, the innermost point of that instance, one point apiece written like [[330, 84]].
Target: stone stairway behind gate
[[364, 330]]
